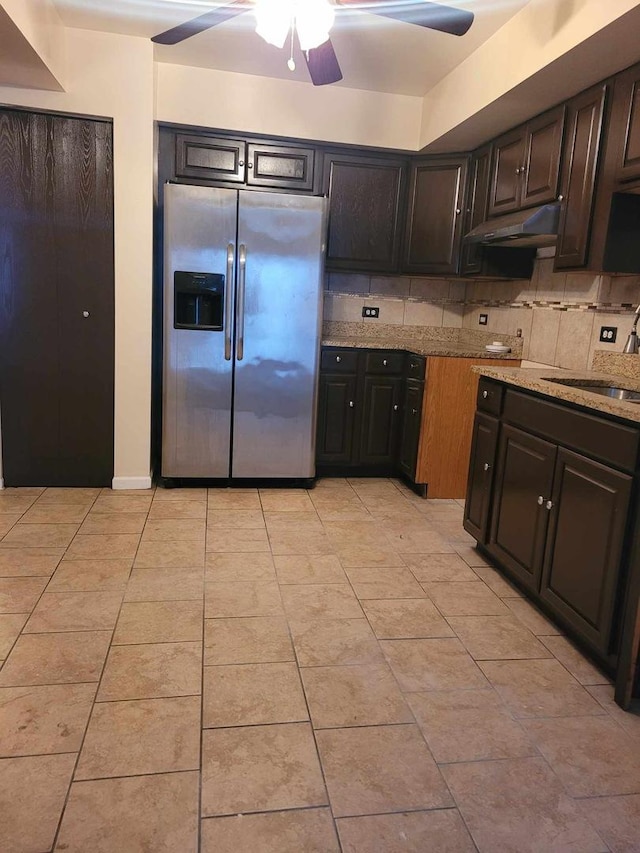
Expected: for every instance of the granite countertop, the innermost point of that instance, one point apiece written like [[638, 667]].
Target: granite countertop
[[444, 348], [538, 379]]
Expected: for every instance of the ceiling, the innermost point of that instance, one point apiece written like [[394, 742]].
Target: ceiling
[[375, 53]]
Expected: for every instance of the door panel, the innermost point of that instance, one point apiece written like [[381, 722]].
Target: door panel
[[582, 145], [336, 411], [411, 420], [481, 468], [584, 545], [542, 158], [523, 478], [275, 380], [476, 209], [280, 166], [208, 158], [380, 420], [506, 178], [56, 242], [200, 222], [625, 123]]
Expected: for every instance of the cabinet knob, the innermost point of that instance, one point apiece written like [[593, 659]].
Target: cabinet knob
[[396, 407], [518, 171], [458, 211], [540, 500], [338, 359], [249, 165], [85, 314], [485, 394], [384, 362], [486, 466], [351, 404], [240, 162], [560, 197], [414, 411], [548, 505]]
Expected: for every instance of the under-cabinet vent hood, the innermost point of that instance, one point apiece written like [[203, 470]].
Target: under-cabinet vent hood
[[537, 226]]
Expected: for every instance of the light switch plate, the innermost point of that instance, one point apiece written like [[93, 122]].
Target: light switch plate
[[483, 319]]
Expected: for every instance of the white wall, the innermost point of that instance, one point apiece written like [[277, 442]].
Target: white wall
[[242, 102], [112, 76]]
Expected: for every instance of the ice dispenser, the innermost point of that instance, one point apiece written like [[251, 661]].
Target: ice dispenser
[[198, 300]]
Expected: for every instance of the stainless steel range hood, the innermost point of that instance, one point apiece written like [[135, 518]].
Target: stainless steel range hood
[[537, 226]]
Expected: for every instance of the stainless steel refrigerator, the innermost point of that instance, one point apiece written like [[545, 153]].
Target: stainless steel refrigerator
[[242, 319]]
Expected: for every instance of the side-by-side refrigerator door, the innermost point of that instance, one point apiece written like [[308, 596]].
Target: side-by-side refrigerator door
[[279, 315], [199, 241]]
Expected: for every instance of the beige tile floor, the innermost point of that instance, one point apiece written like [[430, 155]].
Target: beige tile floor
[[283, 671]]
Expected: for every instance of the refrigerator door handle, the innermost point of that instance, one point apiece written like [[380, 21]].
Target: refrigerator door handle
[[228, 296], [242, 263]]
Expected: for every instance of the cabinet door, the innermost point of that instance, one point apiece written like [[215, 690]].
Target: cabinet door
[[336, 411], [625, 124], [584, 545], [366, 197], [481, 468], [476, 208], [434, 223], [506, 172], [380, 420], [410, 434], [543, 149], [523, 485], [580, 160], [210, 158], [283, 166]]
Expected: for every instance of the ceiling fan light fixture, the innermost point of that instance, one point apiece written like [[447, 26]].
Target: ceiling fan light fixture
[[273, 20], [312, 20]]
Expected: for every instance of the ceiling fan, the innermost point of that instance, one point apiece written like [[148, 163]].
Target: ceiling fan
[[322, 62]]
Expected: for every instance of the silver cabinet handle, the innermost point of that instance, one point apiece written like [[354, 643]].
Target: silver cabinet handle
[[396, 407], [414, 411], [242, 264], [85, 314], [485, 394], [228, 302], [548, 505], [249, 165], [240, 162], [486, 466], [338, 359], [384, 362], [351, 404], [540, 500]]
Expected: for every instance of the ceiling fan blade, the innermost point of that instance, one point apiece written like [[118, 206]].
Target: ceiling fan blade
[[201, 23], [435, 16], [322, 63]]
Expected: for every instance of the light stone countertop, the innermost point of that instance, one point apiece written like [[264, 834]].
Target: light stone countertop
[[538, 380], [451, 349]]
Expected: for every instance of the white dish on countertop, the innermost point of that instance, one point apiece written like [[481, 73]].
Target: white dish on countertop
[[497, 346]]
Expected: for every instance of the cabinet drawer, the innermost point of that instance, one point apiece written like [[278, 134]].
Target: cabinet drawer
[[490, 396], [339, 360], [613, 443], [382, 361], [416, 366]]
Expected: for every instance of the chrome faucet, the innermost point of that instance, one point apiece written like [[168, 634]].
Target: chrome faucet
[[632, 341]]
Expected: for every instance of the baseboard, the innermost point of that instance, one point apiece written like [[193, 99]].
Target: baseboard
[[1, 483], [131, 483]]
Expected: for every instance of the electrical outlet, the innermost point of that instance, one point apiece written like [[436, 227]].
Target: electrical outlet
[[370, 312], [483, 319], [608, 334]]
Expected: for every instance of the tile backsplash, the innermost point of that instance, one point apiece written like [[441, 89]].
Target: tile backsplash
[[560, 314]]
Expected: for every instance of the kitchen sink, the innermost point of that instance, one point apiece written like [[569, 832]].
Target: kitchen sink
[[602, 388]]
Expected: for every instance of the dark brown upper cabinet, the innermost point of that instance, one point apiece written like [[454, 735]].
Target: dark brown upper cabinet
[[435, 221], [526, 164], [366, 204], [229, 160], [625, 126], [577, 185], [476, 208]]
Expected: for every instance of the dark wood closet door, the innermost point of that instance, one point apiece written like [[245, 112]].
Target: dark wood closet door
[[56, 300]]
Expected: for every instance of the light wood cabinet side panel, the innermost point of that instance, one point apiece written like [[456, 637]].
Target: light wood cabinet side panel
[[448, 410]]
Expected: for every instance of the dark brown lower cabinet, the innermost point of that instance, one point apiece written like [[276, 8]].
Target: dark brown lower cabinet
[[56, 300], [524, 478], [583, 554], [562, 524], [380, 420], [336, 416], [410, 430], [481, 470]]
